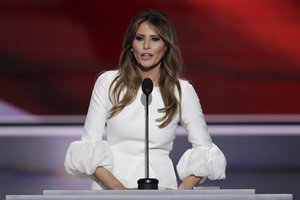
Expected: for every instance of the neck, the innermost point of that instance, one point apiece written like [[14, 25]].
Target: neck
[[154, 75]]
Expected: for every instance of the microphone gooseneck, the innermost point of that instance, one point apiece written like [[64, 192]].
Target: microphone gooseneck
[[147, 183]]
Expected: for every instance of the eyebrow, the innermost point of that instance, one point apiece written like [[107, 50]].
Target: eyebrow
[[140, 34]]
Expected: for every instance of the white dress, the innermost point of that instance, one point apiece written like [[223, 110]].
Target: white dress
[[123, 151]]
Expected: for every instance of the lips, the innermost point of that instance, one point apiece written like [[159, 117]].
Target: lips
[[146, 56]]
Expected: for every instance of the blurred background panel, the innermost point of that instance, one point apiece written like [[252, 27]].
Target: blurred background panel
[[243, 57]]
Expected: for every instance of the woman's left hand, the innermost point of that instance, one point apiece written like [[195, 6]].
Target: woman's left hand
[[189, 182]]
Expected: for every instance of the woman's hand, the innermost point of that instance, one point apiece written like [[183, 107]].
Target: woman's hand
[[108, 179], [189, 182]]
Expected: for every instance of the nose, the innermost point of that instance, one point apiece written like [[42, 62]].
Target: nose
[[147, 44]]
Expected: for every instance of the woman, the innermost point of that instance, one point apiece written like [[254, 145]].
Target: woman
[[150, 50]]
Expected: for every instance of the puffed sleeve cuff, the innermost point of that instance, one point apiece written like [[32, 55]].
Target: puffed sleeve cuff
[[202, 161], [82, 158]]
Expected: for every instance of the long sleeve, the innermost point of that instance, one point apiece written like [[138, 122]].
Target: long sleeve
[[83, 157], [204, 158]]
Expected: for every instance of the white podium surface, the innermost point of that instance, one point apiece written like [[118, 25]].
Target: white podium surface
[[145, 192], [155, 197], [202, 194]]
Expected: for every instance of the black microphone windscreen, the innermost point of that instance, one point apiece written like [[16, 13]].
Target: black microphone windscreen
[[147, 86]]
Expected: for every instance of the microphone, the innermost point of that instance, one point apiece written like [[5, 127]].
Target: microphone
[[147, 86], [147, 183]]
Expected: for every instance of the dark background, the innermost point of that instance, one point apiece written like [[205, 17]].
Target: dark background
[[243, 57]]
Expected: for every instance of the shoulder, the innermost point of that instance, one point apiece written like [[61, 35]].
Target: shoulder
[[107, 77], [188, 91], [185, 85]]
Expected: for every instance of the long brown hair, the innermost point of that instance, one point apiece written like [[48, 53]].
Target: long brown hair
[[125, 86]]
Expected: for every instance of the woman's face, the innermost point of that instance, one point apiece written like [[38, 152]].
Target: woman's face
[[148, 47]]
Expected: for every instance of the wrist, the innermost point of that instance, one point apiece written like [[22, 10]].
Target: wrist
[[190, 182]]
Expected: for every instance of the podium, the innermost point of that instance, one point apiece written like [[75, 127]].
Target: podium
[[199, 193]]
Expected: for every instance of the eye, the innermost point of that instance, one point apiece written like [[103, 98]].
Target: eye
[[139, 38], [155, 38]]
